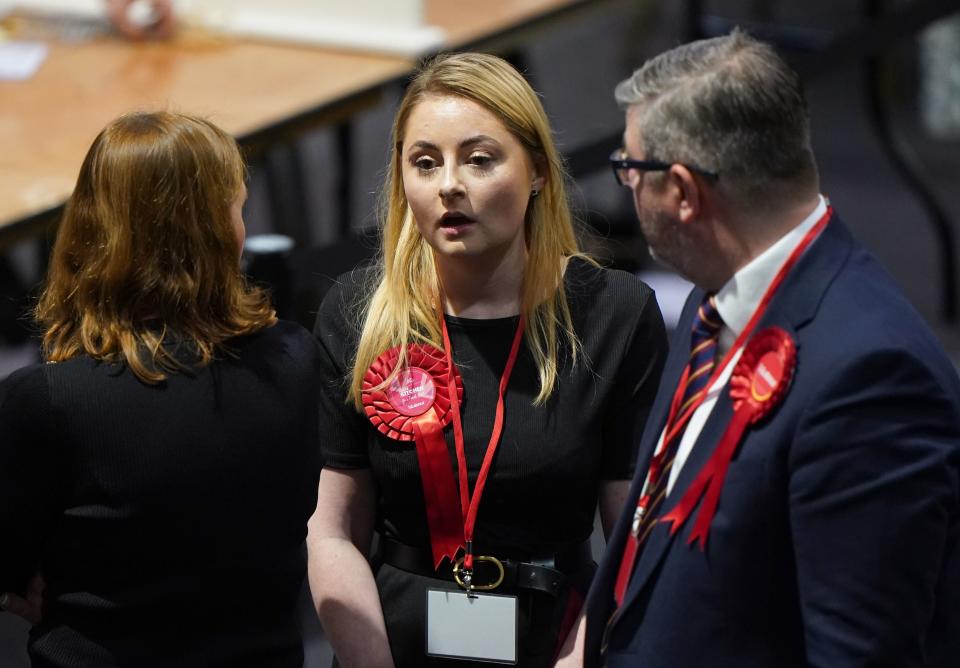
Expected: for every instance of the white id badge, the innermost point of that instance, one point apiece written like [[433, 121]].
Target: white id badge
[[482, 627]]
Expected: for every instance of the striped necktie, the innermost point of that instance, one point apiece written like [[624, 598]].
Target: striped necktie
[[703, 353], [703, 348]]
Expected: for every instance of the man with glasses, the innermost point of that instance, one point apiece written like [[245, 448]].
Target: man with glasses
[[797, 498]]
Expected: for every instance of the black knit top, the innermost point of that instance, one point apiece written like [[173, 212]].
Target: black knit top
[[167, 520], [543, 487]]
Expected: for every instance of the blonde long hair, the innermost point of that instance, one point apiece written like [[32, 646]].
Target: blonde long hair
[[147, 251], [404, 307]]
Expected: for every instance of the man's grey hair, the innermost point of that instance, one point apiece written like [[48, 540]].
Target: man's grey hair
[[729, 105]]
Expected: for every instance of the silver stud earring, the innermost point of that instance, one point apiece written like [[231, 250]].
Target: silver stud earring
[[534, 193]]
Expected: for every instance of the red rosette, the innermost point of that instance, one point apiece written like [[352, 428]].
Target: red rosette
[[759, 382], [395, 418], [415, 406], [763, 374]]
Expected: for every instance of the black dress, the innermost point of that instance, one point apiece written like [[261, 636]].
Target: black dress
[[168, 520], [542, 493]]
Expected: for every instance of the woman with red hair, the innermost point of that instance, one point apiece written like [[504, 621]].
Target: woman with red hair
[[159, 469]]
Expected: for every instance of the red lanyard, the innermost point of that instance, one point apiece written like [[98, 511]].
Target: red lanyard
[[676, 424], [469, 505]]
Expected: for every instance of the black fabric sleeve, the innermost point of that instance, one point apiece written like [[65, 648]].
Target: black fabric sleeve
[[634, 389], [29, 474], [343, 430]]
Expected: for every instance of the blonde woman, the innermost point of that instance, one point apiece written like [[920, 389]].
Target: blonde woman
[[160, 469], [487, 385]]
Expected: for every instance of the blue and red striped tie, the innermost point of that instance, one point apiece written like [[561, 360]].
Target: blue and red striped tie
[[703, 349]]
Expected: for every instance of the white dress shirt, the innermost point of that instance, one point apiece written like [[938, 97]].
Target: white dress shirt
[[736, 302]]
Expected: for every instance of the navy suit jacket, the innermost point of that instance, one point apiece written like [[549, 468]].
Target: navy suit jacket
[[836, 541]]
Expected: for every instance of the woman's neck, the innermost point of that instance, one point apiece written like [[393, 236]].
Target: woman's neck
[[480, 288]]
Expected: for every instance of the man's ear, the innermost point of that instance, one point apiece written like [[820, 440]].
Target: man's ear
[[688, 192]]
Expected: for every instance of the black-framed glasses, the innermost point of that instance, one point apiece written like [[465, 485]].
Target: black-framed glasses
[[621, 164]]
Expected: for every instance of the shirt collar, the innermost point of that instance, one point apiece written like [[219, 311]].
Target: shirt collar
[[740, 296]]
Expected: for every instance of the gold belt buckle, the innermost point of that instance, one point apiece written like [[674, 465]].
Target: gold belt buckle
[[470, 585]]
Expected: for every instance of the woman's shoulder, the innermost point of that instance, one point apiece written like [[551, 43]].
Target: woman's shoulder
[[23, 389], [287, 333], [356, 284], [341, 310], [23, 377], [588, 283], [283, 342]]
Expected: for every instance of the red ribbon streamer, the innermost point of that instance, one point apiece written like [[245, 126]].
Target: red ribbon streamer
[[426, 430], [439, 492], [759, 382], [677, 423]]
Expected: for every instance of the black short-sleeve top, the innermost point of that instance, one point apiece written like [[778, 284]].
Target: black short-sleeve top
[[168, 520], [542, 491]]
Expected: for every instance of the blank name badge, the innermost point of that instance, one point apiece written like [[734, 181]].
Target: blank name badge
[[481, 627]]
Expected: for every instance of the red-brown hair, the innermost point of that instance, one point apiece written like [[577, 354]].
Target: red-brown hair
[[147, 252]]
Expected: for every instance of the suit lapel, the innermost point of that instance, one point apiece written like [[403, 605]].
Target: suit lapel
[[660, 540], [673, 369], [793, 306]]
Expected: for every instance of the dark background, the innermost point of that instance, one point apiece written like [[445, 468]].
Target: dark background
[[294, 188]]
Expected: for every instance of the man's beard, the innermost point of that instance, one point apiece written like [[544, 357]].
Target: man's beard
[[666, 242]]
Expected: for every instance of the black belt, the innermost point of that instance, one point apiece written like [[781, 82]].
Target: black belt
[[549, 574]]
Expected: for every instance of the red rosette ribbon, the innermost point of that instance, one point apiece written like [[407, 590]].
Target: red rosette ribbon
[[415, 406], [759, 382]]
